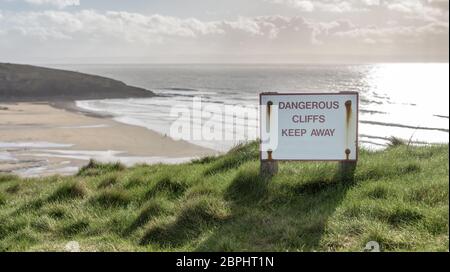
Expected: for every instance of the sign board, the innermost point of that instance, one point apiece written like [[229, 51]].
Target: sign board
[[309, 126]]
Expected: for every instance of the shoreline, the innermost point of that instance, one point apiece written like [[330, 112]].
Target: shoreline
[[71, 106], [45, 138]]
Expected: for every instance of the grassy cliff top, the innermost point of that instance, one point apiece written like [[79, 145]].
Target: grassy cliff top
[[399, 198]]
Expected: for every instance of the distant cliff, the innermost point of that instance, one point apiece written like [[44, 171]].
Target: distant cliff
[[31, 83]]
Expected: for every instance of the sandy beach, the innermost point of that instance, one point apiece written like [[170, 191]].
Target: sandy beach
[[40, 139]]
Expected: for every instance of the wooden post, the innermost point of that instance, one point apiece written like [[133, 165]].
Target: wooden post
[[269, 167], [347, 170]]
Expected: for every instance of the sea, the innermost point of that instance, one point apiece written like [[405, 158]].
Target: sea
[[404, 100]]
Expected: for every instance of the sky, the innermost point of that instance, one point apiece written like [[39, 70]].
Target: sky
[[223, 31]]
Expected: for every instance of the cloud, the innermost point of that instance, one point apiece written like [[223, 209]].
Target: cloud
[[333, 6], [95, 25], [89, 33], [430, 36], [426, 8], [422, 10], [302, 5], [57, 3]]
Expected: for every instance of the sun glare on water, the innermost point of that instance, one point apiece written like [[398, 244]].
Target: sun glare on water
[[423, 85]]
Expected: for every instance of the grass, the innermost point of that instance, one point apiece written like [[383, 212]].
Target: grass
[[69, 190], [2, 199], [398, 197], [112, 198]]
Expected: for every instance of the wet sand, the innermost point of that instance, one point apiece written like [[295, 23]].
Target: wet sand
[[41, 139]]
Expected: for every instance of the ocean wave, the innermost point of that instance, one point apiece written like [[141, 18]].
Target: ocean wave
[[402, 126]]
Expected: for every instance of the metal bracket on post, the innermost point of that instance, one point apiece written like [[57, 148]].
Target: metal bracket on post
[[269, 167]]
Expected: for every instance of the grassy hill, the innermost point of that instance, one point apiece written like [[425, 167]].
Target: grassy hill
[[399, 198], [32, 83]]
